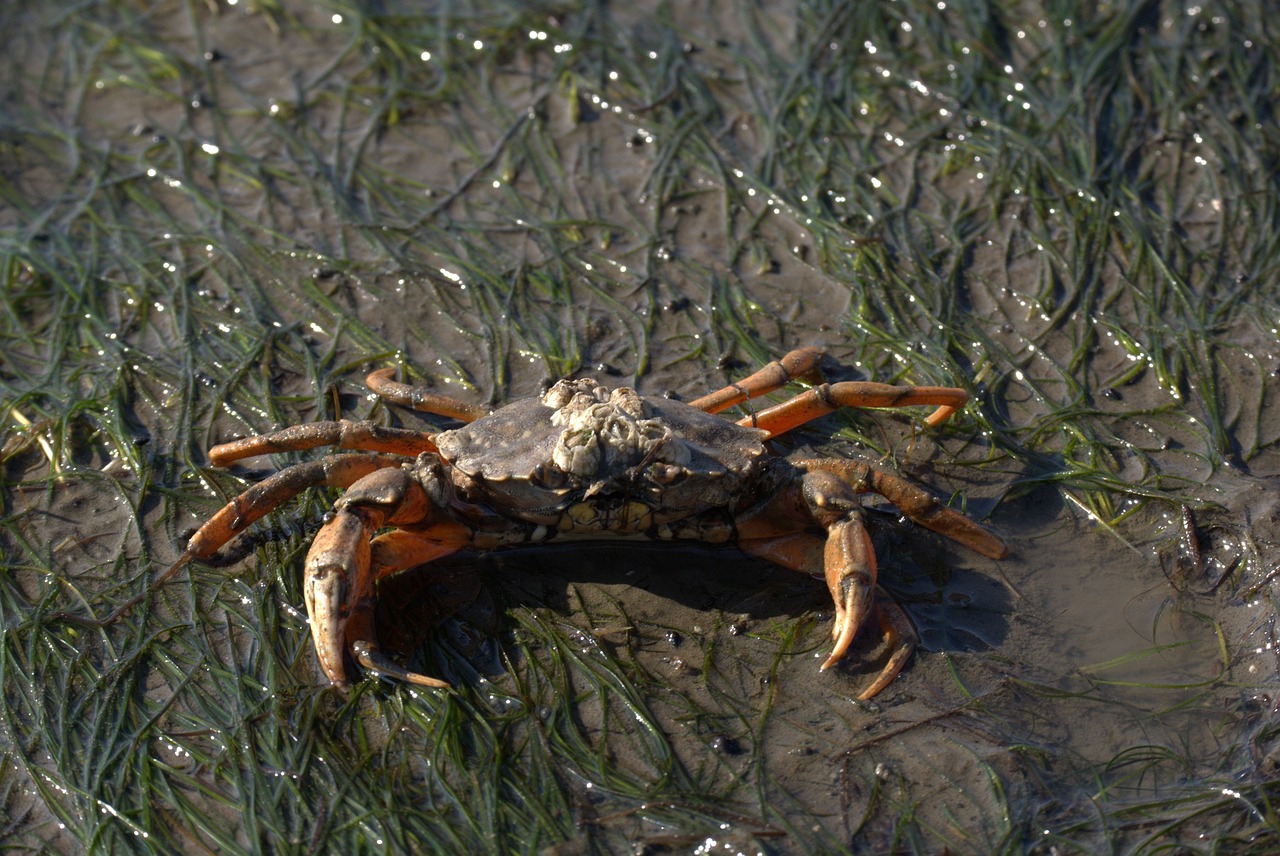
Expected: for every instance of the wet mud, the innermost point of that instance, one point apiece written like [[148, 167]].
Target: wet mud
[[1089, 644]]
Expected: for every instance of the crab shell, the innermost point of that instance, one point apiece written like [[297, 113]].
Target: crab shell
[[584, 458]]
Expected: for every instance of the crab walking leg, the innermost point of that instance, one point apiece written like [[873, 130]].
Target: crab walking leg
[[775, 375], [391, 553], [825, 398], [421, 399], [916, 503], [344, 434], [237, 515]]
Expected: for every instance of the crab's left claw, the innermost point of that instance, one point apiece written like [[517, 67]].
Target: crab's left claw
[[370, 656], [391, 552], [849, 561], [850, 564]]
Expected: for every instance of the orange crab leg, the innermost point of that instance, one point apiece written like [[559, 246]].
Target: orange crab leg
[[237, 515], [825, 398], [420, 399], [343, 434], [916, 503], [775, 375]]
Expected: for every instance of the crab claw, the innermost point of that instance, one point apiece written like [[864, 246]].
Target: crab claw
[[901, 639], [337, 561], [370, 656], [851, 577]]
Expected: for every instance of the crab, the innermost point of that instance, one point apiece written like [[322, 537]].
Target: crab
[[585, 462]]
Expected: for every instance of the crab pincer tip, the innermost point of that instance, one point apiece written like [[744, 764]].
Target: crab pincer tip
[[844, 638], [372, 659]]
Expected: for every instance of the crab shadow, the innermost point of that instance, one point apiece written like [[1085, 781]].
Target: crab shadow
[[663, 591]]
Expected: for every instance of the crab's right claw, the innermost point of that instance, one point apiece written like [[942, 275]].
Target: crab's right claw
[[849, 562], [337, 565], [851, 574]]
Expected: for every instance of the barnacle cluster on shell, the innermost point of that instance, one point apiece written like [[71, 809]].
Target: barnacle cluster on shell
[[607, 432]]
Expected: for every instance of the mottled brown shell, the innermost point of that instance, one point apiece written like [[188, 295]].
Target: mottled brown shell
[[528, 457]]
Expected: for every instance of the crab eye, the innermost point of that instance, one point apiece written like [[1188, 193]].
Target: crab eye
[[667, 473], [548, 476]]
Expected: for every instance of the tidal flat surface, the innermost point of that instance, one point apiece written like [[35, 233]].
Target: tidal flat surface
[[216, 218]]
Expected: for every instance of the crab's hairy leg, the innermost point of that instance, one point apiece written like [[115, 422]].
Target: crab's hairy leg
[[916, 503], [390, 553], [237, 515], [421, 399], [775, 375], [828, 397], [344, 434]]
